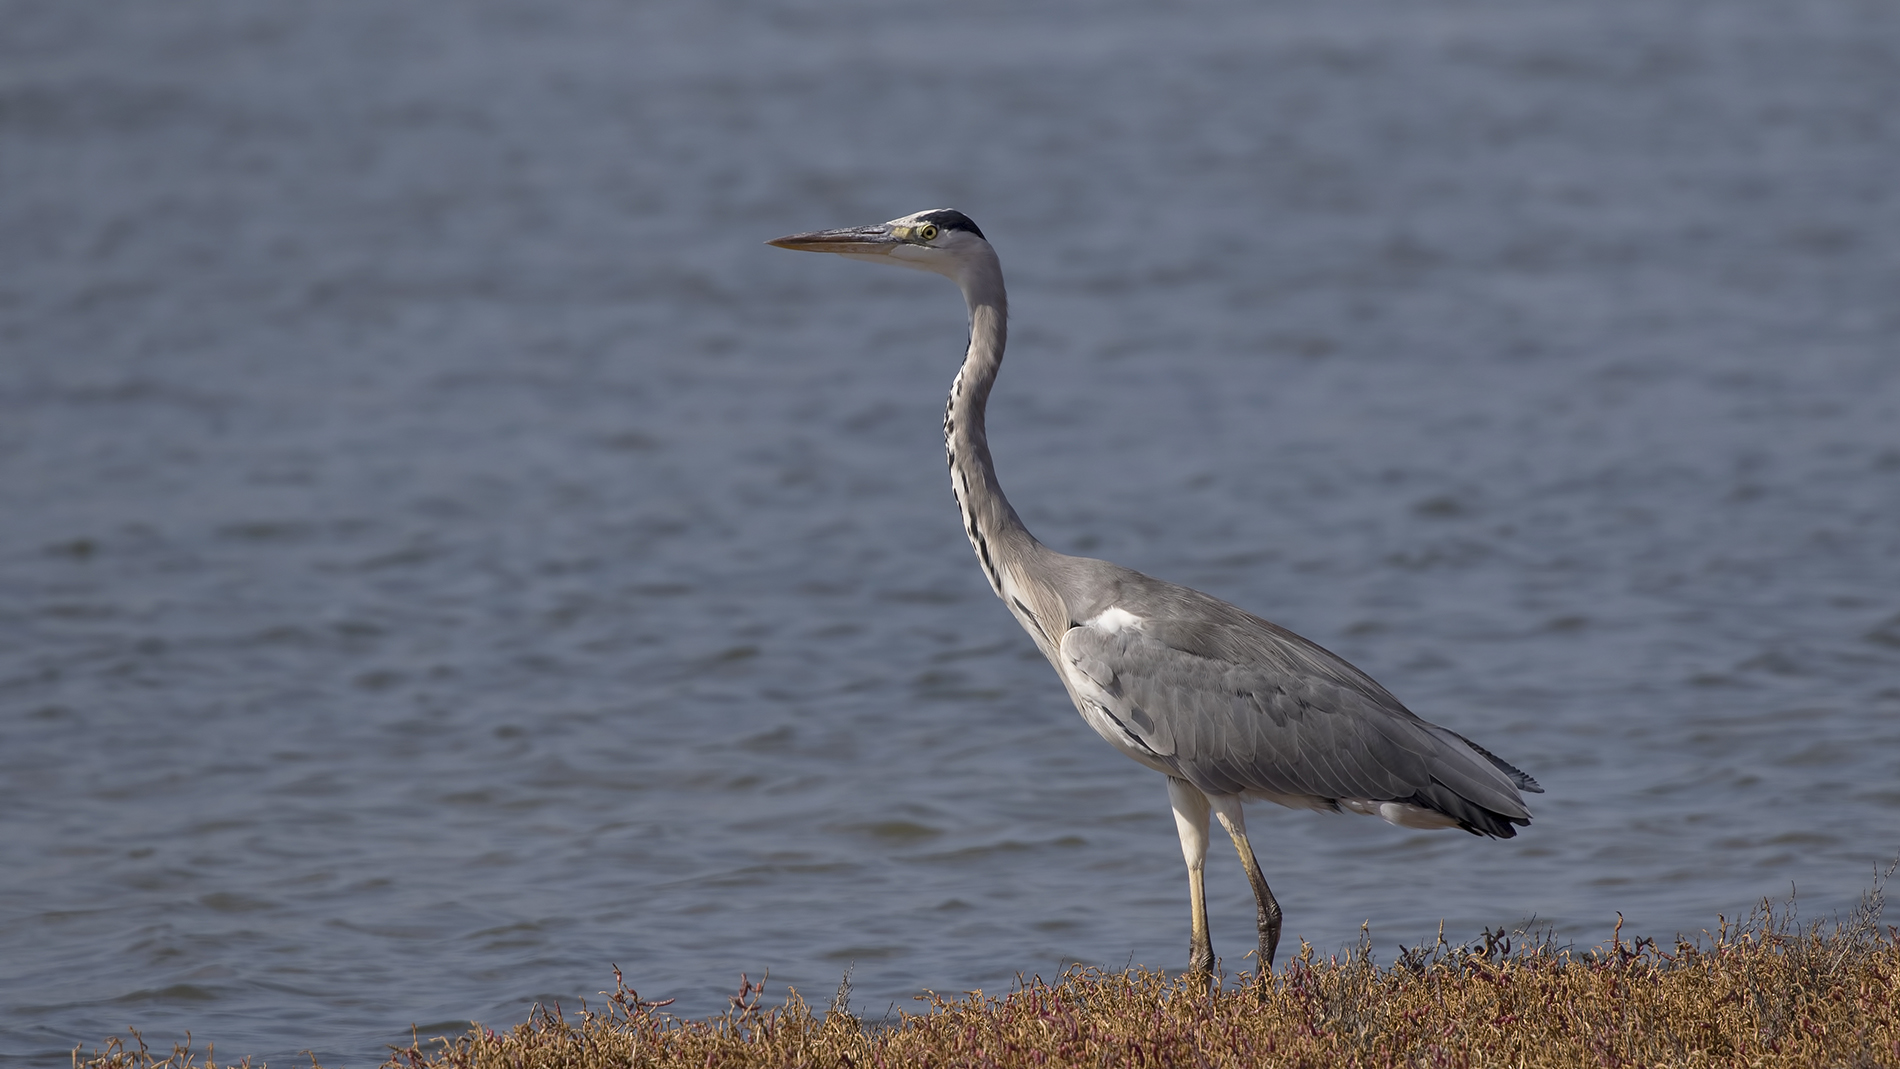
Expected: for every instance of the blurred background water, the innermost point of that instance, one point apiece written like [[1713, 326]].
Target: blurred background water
[[443, 553]]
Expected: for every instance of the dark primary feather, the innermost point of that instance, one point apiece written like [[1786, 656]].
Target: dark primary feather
[[1234, 703]]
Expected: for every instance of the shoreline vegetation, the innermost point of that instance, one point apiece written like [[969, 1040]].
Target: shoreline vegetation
[[1760, 992]]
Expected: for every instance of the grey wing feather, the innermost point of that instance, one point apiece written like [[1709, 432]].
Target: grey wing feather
[[1235, 704]]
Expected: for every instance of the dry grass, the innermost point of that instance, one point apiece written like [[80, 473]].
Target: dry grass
[[1763, 992]]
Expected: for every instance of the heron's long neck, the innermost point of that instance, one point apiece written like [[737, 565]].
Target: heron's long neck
[[996, 533]]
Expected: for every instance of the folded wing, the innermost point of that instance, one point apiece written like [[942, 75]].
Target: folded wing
[[1236, 705]]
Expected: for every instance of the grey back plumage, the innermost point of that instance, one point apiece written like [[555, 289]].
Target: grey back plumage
[[1237, 705]]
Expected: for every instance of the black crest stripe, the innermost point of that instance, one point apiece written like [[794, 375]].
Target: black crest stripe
[[951, 219]]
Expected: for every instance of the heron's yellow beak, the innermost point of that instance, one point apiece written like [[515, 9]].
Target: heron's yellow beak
[[854, 240]]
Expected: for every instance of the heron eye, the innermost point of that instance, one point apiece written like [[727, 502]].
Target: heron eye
[[927, 232]]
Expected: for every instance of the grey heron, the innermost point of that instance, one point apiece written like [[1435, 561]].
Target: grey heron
[[1229, 707]]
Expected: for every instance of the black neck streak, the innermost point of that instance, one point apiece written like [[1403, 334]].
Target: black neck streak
[[991, 524]]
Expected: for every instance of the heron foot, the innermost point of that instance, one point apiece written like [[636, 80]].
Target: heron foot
[[1201, 961], [1269, 924]]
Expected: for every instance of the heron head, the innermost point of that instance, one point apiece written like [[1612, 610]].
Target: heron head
[[942, 240]]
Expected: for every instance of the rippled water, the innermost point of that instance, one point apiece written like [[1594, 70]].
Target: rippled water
[[446, 554]]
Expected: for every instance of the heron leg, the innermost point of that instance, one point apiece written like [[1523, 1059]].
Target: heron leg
[[1227, 808], [1190, 820]]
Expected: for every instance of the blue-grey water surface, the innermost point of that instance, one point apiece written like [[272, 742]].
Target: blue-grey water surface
[[443, 553]]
